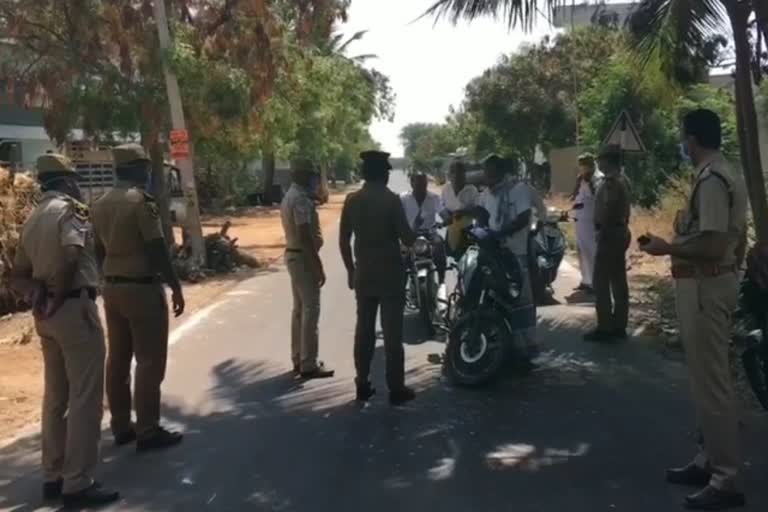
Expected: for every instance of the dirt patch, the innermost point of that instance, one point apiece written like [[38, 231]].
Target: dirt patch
[[259, 232]]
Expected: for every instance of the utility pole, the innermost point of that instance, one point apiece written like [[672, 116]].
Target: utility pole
[[192, 224]]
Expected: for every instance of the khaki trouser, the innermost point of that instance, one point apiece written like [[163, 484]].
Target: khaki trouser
[[306, 312], [610, 283], [73, 355], [137, 322], [704, 308], [392, 309]]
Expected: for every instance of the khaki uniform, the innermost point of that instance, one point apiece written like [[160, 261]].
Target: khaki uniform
[[297, 210], [707, 295], [612, 210], [72, 341], [124, 220], [376, 217]]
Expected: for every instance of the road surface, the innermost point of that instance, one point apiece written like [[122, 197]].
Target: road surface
[[592, 430]]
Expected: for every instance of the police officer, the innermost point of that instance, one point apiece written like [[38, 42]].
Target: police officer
[[55, 267], [133, 252], [710, 236], [304, 240], [375, 216], [612, 210]]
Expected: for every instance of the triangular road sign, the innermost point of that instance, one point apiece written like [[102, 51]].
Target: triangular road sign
[[625, 135]]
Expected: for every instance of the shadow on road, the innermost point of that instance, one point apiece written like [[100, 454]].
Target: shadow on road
[[591, 429]]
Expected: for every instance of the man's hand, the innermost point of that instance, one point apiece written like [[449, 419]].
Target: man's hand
[[320, 275], [351, 279], [654, 245], [177, 297]]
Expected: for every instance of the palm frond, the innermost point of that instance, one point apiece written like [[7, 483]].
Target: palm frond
[[521, 13], [663, 30], [355, 37]]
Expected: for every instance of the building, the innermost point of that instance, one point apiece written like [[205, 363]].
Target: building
[[586, 13]]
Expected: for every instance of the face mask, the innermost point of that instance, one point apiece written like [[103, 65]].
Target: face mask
[[684, 154]]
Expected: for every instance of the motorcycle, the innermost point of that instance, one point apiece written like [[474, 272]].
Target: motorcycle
[[751, 328], [547, 252], [484, 313], [422, 284]]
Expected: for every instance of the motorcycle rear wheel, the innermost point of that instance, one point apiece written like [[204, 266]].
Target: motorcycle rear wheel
[[476, 350]]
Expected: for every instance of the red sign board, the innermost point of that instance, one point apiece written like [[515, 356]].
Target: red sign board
[[179, 144]]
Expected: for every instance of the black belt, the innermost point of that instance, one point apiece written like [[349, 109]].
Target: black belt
[[130, 280], [78, 292], [294, 250]]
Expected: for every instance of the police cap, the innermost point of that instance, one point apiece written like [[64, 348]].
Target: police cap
[[128, 154], [586, 158], [376, 157], [53, 164]]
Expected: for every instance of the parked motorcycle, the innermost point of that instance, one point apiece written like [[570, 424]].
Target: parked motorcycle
[[422, 284], [484, 313], [547, 252], [751, 328]]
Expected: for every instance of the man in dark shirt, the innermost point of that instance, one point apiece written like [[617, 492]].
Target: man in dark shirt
[[375, 216]]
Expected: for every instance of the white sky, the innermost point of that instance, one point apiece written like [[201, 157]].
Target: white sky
[[429, 65]]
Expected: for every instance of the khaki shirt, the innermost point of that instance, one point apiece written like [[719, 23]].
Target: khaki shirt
[[613, 204], [59, 221], [296, 210], [719, 205], [124, 220], [376, 218]]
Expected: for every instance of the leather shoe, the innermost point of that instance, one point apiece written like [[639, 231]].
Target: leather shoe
[[93, 496], [159, 440], [52, 490], [711, 498], [124, 438], [402, 396], [365, 392], [691, 475]]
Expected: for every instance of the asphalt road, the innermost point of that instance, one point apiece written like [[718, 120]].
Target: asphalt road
[[591, 430]]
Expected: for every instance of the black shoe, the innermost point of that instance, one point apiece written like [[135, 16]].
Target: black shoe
[[52, 490], [711, 498], [619, 334], [365, 392], [93, 496], [159, 440], [599, 336], [321, 372], [124, 438], [691, 475], [401, 396]]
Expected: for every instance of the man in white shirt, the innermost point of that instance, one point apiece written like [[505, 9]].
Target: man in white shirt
[[422, 208], [459, 199], [584, 216], [508, 205]]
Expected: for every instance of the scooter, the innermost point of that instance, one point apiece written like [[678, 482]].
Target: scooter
[[484, 313], [547, 249]]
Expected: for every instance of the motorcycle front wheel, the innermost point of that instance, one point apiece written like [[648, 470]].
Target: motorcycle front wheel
[[428, 305], [476, 349]]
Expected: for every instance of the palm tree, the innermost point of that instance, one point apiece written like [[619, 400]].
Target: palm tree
[[668, 25], [337, 46]]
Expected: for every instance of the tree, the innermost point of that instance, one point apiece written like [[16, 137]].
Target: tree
[[672, 25], [428, 145]]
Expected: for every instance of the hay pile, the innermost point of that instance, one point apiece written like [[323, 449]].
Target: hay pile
[[18, 195]]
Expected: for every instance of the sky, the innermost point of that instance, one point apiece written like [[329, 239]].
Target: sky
[[428, 65]]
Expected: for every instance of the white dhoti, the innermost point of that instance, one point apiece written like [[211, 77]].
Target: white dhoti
[[586, 237], [586, 240]]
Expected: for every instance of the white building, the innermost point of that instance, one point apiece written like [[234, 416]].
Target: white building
[[583, 13]]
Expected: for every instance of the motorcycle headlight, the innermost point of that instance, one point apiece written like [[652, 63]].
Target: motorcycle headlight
[[421, 246]]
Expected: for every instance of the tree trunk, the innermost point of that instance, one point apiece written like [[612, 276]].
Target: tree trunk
[[160, 189], [746, 118], [268, 169]]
